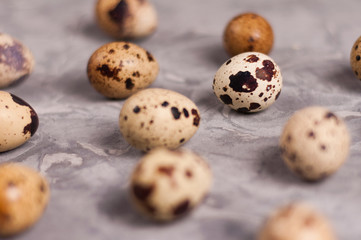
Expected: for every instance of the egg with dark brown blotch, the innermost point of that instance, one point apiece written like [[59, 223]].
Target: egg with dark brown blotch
[[126, 19], [157, 117], [119, 69], [248, 32], [248, 82], [16, 61], [18, 121], [167, 184], [24, 195]]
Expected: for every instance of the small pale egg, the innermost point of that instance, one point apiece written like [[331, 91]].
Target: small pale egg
[[119, 69], [297, 221], [248, 82], [24, 194], [158, 118], [167, 184], [314, 143], [126, 19], [248, 32], [18, 121], [16, 61]]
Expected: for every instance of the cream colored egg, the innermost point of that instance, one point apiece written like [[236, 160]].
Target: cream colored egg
[[124, 19], [16, 60], [166, 184], [24, 194], [296, 221], [18, 121], [314, 143], [248, 82], [119, 69], [157, 117]]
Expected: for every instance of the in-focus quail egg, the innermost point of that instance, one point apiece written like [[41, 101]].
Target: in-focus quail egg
[[124, 19], [314, 143], [248, 32], [16, 60], [24, 194], [166, 184], [119, 69], [158, 118], [18, 121], [248, 82], [296, 221]]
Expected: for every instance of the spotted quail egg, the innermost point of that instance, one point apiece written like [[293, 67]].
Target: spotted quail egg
[[18, 121], [119, 69], [167, 184], [248, 82], [157, 117]]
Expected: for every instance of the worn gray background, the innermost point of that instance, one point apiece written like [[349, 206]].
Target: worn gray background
[[79, 149]]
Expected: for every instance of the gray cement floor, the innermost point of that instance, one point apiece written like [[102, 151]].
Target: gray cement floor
[[78, 146]]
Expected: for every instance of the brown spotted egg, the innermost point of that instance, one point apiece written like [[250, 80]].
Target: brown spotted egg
[[167, 184], [119, 69], [16, 60], [248, 82], [355, 58], [314, 143], [126, 19], [157, 117], [24, 194], [248, 32], [18, 121], [298, 220]]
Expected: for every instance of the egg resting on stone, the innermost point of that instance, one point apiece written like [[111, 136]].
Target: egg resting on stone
[[18, 121], [248, 82], [16, 61], [355, 58], [248, 32], [126, 19], [296, 221], [24, 194], [119, 69], [157, 117], [167, 184], [314, 143]]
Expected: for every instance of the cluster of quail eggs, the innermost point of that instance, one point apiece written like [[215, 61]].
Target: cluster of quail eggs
[[314, 142]]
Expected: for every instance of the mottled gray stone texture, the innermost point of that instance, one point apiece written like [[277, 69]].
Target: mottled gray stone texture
[[80, 150]]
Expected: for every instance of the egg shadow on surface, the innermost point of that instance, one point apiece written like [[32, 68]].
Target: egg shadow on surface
[[226, 229], [272, 165], [79, 87], [92, 30], [113, 142], [345, 78], [118, 206]]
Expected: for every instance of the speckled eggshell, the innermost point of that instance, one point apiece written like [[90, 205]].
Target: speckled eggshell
[[298, 220], [16, 60], [119, 69], [248, 82], [167, 184], [355, 58], [24, 194], [125, 19], [18, 121], [314, 143], [248, 32], [158, 118]]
